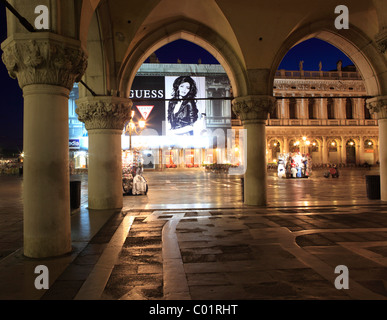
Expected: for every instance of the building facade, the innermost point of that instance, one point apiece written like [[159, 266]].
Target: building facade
[[319, 113], [323, 114], [104, 42]]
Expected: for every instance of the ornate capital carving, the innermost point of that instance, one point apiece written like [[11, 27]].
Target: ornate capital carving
[[104, 112], [378, 105], [44, 58], [381, 41], [253, 107]]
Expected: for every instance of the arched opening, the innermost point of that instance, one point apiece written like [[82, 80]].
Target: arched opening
[[292, 108], [351, 152], [369, 152], [354, 45], [329, 92], [348, 108], [181, 30], [311, 109]]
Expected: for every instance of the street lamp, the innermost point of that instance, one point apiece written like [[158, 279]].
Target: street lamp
[[131, 128]]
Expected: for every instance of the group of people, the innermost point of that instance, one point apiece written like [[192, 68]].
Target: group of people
[[294, 165], [184, 117], [133, 182], [9, 167]]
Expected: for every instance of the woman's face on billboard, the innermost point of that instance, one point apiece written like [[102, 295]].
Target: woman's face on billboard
[[184, 89]]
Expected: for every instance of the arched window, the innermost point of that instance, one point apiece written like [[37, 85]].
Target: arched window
[[330, 107], [367, 114], [368, 145], [332, 146], [311, 103], [292, 108], [314, 146], [274, 113], [351, 152]]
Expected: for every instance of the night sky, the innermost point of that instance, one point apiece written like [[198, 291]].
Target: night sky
[[11, 103]]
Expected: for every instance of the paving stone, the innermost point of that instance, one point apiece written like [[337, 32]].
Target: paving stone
[[271, 290], [63, 290], [382, 250], [377, 286], [206, 279], [233, 253]]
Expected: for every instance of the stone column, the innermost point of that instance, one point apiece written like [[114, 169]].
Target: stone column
[[358, 151], [343, 156], [285, 145], [302, 108], [299, 108], [377, 151], [361, 149], [253, 112], [285, 110], [378, 106], [104, 118], [359, 102], [46, 66]]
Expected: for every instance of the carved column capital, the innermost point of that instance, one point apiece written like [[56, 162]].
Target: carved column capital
[[378, 105], [253, 107], [44, 58], [106, 112]]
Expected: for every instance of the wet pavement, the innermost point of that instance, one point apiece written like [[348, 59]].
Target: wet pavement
[[191, 238]]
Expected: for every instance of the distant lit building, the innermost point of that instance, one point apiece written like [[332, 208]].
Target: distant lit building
[[323, 114]]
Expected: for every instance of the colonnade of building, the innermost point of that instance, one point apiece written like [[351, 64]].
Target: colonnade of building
[[343, 150], [323, 109]]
